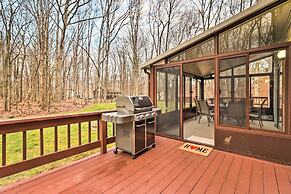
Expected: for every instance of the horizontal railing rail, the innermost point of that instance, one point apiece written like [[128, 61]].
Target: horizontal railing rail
[[53, 124], [256, 100]]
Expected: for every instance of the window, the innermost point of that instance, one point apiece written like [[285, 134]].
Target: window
[[272, 26], [205, 48], [260, 91], [266, 90], [168, 89], [161, 88], [267, 94]]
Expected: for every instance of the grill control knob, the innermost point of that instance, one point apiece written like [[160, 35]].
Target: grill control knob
[[141, 117], [148, 115]]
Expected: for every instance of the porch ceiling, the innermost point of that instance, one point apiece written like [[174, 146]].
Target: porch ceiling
[[200, 69], [207, 68]]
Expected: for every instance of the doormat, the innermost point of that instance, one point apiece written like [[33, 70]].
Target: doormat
[[197, 149]]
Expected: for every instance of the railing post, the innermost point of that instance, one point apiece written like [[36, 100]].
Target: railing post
[[103, 136]]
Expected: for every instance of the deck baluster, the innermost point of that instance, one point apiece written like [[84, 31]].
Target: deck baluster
[[56, 138], [69, 135], [24, 145], [98, 130], [80, 133], [3, 149], [89, 131], [41, 147], [113, 129]]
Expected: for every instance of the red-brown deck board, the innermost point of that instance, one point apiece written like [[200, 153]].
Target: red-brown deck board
[[164, 169]]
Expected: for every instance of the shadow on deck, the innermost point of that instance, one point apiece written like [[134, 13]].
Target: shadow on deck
[[162, 169]]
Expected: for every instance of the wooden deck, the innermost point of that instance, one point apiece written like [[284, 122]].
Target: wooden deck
[[164, 169]]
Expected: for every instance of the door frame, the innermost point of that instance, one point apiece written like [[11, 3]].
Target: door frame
[[217, 93], [182, 97]]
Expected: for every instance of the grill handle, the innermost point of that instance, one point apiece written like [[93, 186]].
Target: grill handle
[[140, 125], [151, 122]]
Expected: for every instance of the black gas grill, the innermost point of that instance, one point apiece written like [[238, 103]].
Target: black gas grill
[[135, 122]]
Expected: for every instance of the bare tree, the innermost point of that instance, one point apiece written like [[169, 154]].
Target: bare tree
[[54, 50], [9, 13], [67, 11], [111, 24]]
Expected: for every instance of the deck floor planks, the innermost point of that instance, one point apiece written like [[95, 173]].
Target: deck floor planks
[[64, 172], [157, 177], [186, 167], [80, 174], [282, 180], [163, 169], [98, 172], [257, 178], [146, 172], [191, 181], [175, 184], [119, 175], [149, 174], [220, 175], [270, 178], [244, 179], [82, 165], [289, 174], [207, 177], [230, 182], [60, 173]]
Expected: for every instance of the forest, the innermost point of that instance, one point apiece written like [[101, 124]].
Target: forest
[[54, 51]]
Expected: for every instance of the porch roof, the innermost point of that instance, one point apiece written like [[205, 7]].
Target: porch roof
[[239, 18]]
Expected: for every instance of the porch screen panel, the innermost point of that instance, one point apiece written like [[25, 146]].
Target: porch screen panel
[[187, 92], [209, 90], [272, 26], [232, 98], [168, 100]]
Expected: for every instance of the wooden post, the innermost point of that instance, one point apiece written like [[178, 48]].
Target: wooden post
[[103, 135]]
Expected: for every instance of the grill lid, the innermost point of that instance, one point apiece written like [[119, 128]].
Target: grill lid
[[133, 104], [141, 101]]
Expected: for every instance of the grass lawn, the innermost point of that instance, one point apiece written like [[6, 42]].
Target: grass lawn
[[14, 144]]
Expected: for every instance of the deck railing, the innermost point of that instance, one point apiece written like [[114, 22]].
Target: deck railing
[[53, 123]]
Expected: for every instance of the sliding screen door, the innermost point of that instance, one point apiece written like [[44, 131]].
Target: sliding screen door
[[233, 91], [168, 100]]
